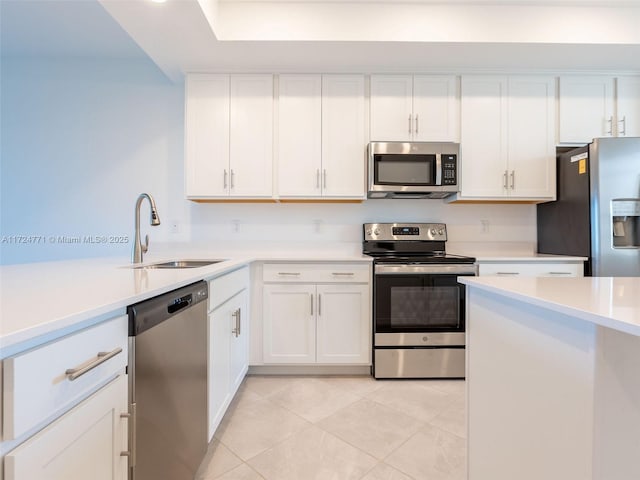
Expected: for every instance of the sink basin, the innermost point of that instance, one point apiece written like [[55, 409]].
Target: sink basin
[[180, 264]]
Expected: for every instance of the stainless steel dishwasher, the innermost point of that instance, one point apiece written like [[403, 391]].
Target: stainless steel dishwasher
[[168, 384]]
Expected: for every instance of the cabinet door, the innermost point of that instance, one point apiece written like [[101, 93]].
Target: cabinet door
[[531, 157], [628, 113], [84, 443], [219, 394], [343, 324], [299, 125], [239, 330], [484, 136], [251, 136], [344, 139], [435, 108], [207, 135], [586, 108], [391, 108], [289, 334]]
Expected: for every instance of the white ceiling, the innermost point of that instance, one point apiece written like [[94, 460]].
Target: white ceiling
[[332, 36]]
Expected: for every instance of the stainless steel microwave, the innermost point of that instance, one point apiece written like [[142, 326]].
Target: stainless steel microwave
[[413, 169]]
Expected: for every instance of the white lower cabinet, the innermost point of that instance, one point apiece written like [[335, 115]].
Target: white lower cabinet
[[228, 341], [316, 323], [85, 443]]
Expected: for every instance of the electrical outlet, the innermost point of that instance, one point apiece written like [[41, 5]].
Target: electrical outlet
[[236, 225], [318, 225], [485, 225]]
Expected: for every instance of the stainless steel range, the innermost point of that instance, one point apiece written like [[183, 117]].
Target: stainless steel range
[[418, 304]]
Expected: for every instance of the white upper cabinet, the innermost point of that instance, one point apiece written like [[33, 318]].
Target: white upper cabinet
[[586, 108], [531, 139], [207, 135], [321, 136], [299, 138], [229, 136], [628, 106], [507, 137], [344, 136], [414, 108]]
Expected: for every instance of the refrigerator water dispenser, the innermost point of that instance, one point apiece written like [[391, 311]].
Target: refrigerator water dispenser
[[625, 214]]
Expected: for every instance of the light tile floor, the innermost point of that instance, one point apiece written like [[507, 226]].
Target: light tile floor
[[340, 428]]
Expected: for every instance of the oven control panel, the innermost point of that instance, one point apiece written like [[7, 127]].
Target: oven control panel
[[405, 231]]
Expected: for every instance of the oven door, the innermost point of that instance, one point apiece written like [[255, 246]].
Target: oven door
[[413, 300]]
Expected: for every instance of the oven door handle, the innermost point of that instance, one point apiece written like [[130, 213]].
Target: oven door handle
[[426, 269]]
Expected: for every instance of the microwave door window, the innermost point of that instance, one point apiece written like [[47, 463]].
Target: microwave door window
[[405, 169]]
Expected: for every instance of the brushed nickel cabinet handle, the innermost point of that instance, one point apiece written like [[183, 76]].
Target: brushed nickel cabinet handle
[[75, 373], [416, 123], [324, 178], [343, 274], [319, 305], [559, 273], [318, 178], [610, 122], [232, 177], [513, 179], [311, 302], [409, 124], [225, 178], [290, 274], [623, 131], [235, 330], [504, 179], [507, 273], [239, 321]]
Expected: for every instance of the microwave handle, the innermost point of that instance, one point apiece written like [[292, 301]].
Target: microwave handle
[[438, 169]]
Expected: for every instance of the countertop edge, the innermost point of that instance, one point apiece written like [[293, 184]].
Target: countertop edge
[[591, 317]]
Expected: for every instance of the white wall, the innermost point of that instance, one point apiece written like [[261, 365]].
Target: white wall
[[82, 138]]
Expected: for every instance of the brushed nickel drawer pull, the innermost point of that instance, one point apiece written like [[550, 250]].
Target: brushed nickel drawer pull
[[343, 274], [74, 373], [507, 273], [559, 273], [293, 274]]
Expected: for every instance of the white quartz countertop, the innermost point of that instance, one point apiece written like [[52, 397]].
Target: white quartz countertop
[[49, 299], [605, 301]]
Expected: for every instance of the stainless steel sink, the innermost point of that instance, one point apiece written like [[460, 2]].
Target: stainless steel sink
[[180, 264]]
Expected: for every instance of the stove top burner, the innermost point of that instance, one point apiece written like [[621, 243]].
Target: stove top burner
[[427, 258]]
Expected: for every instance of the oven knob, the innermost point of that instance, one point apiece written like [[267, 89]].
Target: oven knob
[[433, 231], [425, 339], [376, 232], [368, 231], [441, 232]]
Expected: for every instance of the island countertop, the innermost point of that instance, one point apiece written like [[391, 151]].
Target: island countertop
[[612, 302]]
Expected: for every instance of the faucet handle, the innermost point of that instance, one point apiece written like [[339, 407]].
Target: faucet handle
[[145, 247]]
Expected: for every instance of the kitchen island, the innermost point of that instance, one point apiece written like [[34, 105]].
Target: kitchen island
[[552, 378]]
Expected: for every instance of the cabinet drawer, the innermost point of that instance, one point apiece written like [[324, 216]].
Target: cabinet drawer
[[223, 288], [532, 269], [36, 386], [316, 273]]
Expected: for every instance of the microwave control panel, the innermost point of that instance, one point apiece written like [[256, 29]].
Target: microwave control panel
[[449, 167]]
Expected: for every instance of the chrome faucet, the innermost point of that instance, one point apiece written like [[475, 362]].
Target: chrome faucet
[[138, 247]]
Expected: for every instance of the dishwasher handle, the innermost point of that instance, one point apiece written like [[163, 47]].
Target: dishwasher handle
[[180, 303]]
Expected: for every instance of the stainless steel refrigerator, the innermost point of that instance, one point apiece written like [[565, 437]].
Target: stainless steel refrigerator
[[597, 211]]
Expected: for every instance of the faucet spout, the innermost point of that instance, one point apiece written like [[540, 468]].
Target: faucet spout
[[138, 248]]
